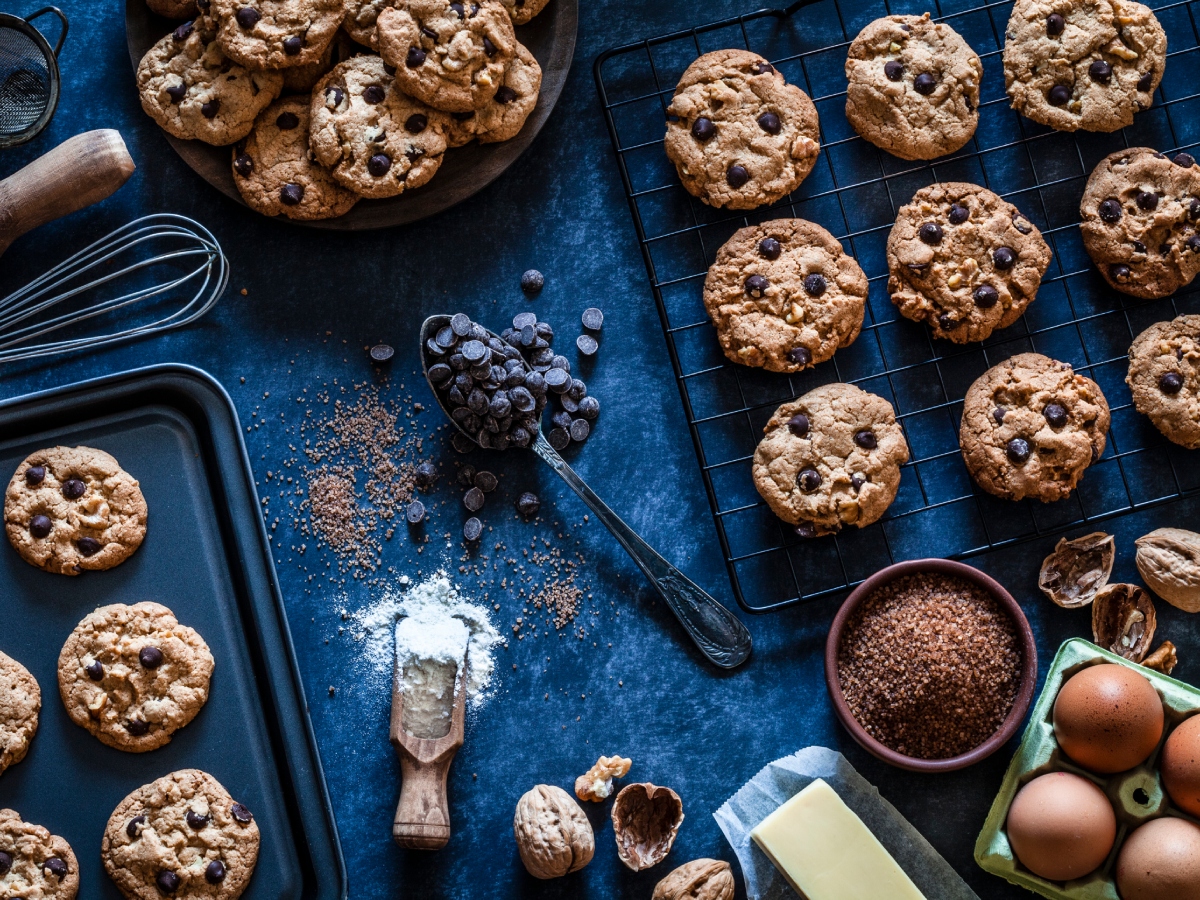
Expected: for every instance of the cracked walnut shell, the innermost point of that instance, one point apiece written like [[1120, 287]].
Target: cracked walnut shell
[[1072, 575], [596, 783], [1123, 621], [646, 819], [1169, 561], [701, 879], [553, 835]]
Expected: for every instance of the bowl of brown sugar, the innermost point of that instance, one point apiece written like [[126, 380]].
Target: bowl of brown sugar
[[931, 665]]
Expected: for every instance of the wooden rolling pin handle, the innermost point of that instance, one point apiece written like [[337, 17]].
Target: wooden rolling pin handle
[[78, 172], [423, 815]]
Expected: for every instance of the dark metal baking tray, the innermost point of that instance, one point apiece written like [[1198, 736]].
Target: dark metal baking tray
[[206, 556]]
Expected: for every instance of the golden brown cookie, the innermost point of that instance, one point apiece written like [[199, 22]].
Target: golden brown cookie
[[20, 703], [276, 34], [35, 863], [1164, 376]]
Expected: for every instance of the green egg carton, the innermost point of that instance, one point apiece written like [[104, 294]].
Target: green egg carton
[[1137, 795]]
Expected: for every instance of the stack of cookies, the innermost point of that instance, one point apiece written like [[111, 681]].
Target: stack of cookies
[[318, 124]]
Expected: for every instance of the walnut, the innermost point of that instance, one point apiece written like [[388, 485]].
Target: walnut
[[1123, 621], [701, 879], [1164, 659], [553, 835], [596, 783], [1077, 569], [646, 819], [1169, 560]]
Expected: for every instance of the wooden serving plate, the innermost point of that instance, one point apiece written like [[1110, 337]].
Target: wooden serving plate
[[550, 37]]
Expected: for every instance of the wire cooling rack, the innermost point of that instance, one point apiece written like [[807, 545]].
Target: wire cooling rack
[[854, 192]]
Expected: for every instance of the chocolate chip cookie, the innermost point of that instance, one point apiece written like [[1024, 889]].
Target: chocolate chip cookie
[[20, 703], [523, 11], [276, 34], [1031, 426], [377, 140], [451, 56], [132, 675], [503, 116], [1083, 64], [173, 9], [964, 261], [276, 174], [913, 87], [181, 836], [195, 92], [1164, 376], [361, 16], [784, 296], [739, 135], [74, 509], [829, 459], [1141, 221], [34, 862]]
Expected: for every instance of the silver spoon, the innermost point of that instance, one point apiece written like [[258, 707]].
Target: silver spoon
[[718, 633]]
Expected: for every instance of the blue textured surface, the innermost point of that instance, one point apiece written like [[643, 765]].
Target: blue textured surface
[[560, 209]]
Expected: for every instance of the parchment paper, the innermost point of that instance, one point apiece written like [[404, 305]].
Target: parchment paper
[[781, 780]]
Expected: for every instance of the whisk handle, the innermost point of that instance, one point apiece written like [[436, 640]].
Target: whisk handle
[[78, 172]]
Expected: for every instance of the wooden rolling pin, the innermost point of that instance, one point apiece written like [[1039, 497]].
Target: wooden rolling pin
[[78, 172], [423, 814]]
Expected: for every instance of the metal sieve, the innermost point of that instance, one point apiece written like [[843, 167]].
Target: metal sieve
[[29, 78]]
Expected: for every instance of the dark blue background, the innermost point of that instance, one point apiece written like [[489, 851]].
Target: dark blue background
[[560, 209]]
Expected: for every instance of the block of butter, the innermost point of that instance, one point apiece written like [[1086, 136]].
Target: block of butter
[[826, 852]]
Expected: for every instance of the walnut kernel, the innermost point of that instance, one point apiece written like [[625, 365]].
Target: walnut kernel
[[596, 783], [1164, 659], [1123, 621], [701, 879], [553, 835]]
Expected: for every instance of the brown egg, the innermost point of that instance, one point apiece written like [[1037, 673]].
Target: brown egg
[[1108, 718], [1061, 826], [1160, 861], [1181, 766]]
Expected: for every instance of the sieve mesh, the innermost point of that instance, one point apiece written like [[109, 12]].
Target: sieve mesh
[[24, 82]]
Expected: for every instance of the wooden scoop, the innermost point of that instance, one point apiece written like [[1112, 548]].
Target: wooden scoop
[[423, 814], [78, 172]]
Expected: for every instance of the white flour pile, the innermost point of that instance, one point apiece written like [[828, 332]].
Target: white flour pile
[[423, 631]]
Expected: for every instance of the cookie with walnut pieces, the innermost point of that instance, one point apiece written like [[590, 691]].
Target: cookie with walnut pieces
[[34, 862], [20, 703], [1164, 376], [276, 34]]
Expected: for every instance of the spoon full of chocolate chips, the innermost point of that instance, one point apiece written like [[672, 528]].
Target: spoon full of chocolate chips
[[495, 399]]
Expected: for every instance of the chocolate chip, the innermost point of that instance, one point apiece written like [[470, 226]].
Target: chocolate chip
[[998, 414], [1147, 200], [561, 420], [5, 863], [286, 121], [809, 480], [799, 356], [762, 67], [1146, 82], [769, 248], [195, 821], [805, 530], [703, 129], [1138, 246], [1021, 224], [472, 529], [459, 10], [293, 45], [587, 344], [528, 505], [930, 233], [40, 526], [488, 47], [486, 481], [1194, 210], [1100, 72], [416, 123], [1170, 382], [814, 285], [521, 399], [335, 94], [466, 476], [1056, 414], [432, 35], [150, 657], [379, 164], [473, 499], [798, 425], [756, 286], [593, 319], [893, 69], [177, 92], [1110, 210], [73, 488], [56, 867], [1192, 243], [415, 512], [94, 670], [1055, 24], [737, 176], [132, 828], [243, 165], [559, 438], [167, 881], [946, 322], [986, 296], [137, 727], [1184, 159], [857, 481], [182, 33], [959, 214], [1004, 258], [88, 546], [1120, 273], [769, 122], [1017, 450], [532, 281], [866, 439], [445, 337], [1059, 95], [210, 109], [589, 407], [215, 873], [241, 813], [580, 429], [924, 84], [415, 58], [461, 443], [505, 94], [247, 17], [291, 194], [558, 380]]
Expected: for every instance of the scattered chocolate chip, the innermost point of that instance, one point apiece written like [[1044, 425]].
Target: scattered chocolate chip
[[930, 233], [1170, 382], [1059, 95], [291, 194], [73, 488], [472, 529], [415, 512], [133, 829], [177, 92], [1110, 210], [40, 526], [924, 84], [1184, 159], [293, 45], [866, 439], [486, 481], [183, 32], [986, 296], [382, 353], [1056, 414], [137, 727], [580, 429], [528, 504], [593, 319], [150, 657], [1100, 72], [1004, 258], [415, 58], [167, 881], [416, 123], [587, 344], [589, 407], [379, 164], [998, 414], [756, 286], [88, 546], [461, 443], [1147, 200], [241, 813], [55, 867], [769, 122], [532, 281], [814, 285], [959, 214], [466, 476], [893, 69], [809, 480], [1146, 81], [559, 438], [737, 176], [1017, 450], [799, 356], [247, 17], [505, 94], [195, 821], [1055, 24], [703, 129], [215, 873], [1120, 273], [473, 499], [805, 530], [798, 425]]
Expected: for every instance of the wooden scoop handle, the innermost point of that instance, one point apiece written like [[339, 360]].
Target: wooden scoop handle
[[78, 172], [423, 814]]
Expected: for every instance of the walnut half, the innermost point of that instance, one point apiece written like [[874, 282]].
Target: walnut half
[[646, 818], [1164, 659], [596, 783], [1072, 575], [1123, 621], [701, 879]]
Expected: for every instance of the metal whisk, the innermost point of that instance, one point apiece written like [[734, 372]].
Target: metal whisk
[[199, 274]]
